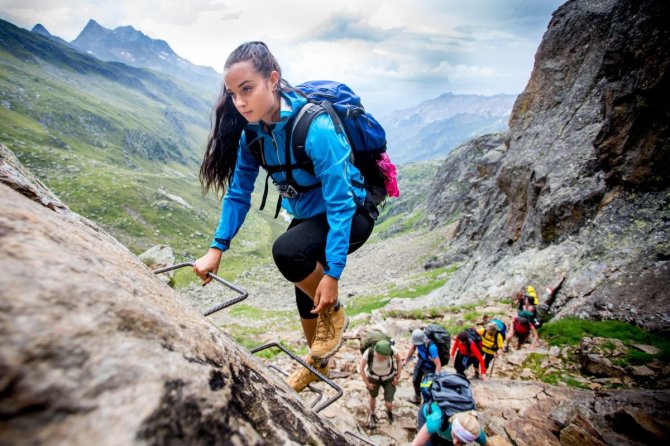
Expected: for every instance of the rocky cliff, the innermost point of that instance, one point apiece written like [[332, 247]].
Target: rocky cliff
[[578, 189], [96, 350]]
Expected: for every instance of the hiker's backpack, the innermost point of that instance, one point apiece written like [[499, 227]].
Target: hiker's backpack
[[475, 338], [366, 137], [440, 337], [502, 327], [369, 341], [521, 325], [532, 295], [450, 391]]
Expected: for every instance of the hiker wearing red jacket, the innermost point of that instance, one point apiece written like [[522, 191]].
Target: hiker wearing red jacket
[[466, 354]]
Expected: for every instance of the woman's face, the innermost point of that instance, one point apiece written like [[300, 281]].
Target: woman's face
[[252, 94]]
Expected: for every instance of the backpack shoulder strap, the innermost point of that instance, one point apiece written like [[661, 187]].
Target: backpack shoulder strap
[[303, 121]]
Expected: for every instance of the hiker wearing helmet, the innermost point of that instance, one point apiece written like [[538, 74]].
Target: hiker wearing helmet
[[252, 127], [461, 429], [383, 371], [428, 362], [467, 353]]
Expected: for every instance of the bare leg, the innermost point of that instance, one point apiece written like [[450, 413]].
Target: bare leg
[[309, 328], [309, 284]]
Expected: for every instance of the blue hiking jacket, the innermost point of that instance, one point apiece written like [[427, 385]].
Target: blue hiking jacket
[[427, 354], [337, 197]]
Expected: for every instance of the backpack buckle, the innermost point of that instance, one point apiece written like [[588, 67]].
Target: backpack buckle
[[287, 191]]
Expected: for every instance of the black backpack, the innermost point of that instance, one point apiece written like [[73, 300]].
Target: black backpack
[[440, 337], [450, 391], [475, 338]]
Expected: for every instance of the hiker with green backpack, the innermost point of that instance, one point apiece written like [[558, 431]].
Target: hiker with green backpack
[[318, 181], [522, 328], [380, 368]]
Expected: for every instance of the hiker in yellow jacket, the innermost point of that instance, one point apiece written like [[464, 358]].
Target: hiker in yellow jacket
[[492, 342]]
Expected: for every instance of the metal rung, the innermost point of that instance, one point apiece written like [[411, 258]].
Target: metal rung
[[359, 437], [319, 392], [218, 307], [300, 361]]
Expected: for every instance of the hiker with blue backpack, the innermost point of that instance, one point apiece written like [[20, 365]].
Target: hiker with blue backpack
[[493, 340], [315, 175], [428, 361], [448, 415]]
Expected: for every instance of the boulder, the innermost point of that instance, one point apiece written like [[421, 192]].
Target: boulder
[[96, 350], [159, 256], [524, 432]]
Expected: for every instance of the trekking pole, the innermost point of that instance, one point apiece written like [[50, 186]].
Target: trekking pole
[[300, 361], [490, 370], [243, 294], [319, 393]]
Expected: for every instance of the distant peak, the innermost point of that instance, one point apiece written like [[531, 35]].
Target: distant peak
[[93, 23], [41, 30]]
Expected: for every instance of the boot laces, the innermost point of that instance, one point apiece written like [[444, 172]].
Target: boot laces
[[324, 328]]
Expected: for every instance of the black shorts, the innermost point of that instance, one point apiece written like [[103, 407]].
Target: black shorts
[[303, 244]]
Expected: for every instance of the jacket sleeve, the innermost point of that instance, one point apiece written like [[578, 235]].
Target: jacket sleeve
[[474, 351], [329, 152], [455, 347], [237, 201], [501, 341]]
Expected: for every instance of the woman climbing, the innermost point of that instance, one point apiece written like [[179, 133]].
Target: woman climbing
[[257, 108]]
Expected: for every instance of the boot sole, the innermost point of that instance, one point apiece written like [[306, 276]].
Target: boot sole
[[338, 346]]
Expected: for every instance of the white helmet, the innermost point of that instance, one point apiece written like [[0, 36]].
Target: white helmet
[[418, 337]]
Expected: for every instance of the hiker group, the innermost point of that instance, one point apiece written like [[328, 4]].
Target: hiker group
[[446, 413]]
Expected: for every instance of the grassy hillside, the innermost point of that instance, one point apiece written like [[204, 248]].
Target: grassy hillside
[[119, 145]]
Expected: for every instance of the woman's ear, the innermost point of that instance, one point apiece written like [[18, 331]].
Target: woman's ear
[[274, 80]]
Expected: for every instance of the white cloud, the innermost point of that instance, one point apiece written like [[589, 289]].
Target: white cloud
[[395, 53]]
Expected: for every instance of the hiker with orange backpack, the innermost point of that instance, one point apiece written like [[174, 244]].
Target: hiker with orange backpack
[[467, 352], [333, 212]]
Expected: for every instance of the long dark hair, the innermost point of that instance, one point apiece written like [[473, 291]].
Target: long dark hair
[[218, 164]]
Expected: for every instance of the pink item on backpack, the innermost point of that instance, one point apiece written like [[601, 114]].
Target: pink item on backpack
[[388, 169]]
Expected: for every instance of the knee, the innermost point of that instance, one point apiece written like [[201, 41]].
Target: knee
[[293, 265]]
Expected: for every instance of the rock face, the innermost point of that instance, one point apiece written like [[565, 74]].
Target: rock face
[[580, 188], [96, 350]]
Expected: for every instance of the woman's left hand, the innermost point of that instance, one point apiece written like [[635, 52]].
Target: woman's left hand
[[326, 294]]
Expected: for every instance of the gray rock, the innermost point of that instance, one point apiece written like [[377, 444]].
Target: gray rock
[[96, 351], [573, 192]]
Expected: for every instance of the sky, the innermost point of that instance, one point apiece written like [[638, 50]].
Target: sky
[[394, 53]]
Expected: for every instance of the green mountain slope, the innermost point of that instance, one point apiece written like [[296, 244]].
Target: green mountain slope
[[119, 145]]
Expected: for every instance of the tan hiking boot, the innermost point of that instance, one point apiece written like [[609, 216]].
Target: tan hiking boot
[[303, 377], [328, 338]]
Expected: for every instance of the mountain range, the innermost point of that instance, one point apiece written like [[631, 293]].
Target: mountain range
[[118, 144], [132, 128], [436, 126], [127, 45]]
